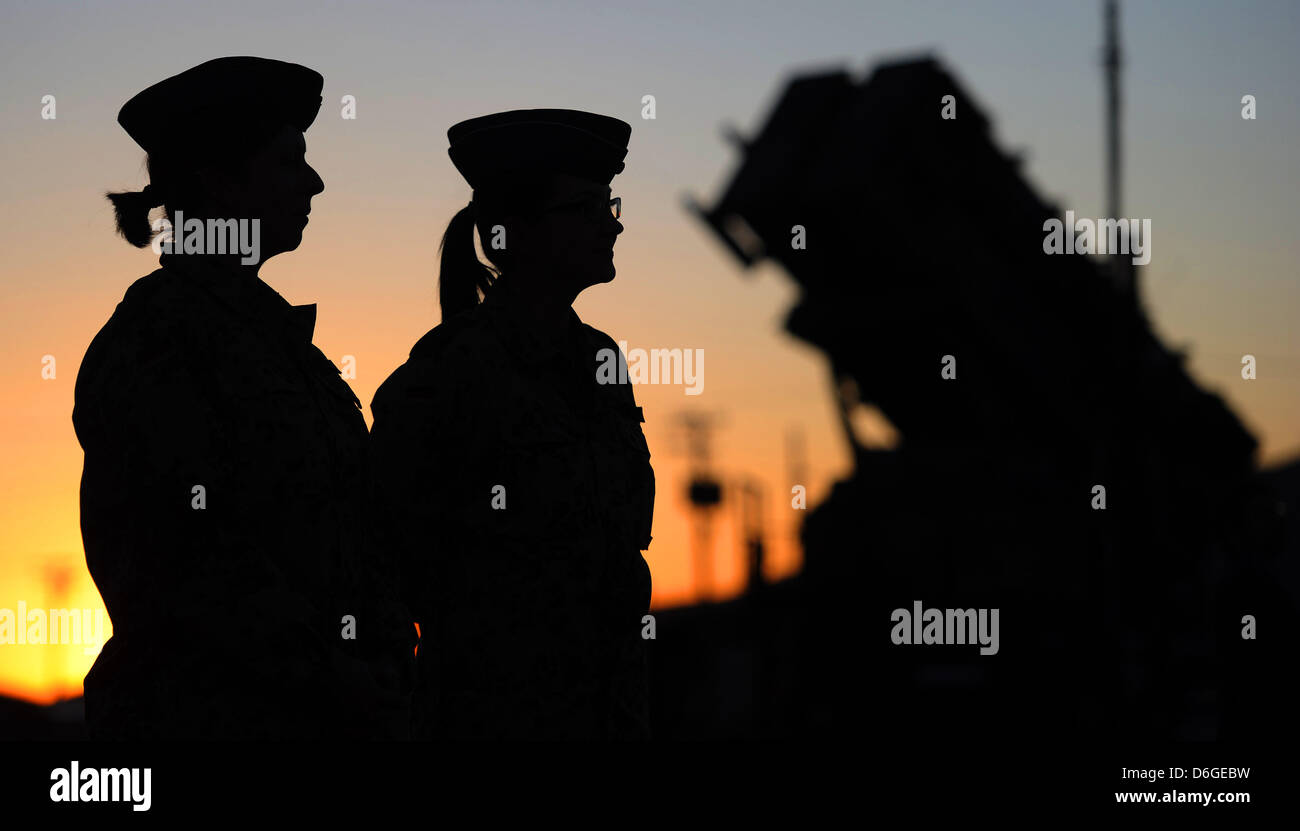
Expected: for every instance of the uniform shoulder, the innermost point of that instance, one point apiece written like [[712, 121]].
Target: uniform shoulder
[[461, 330], [156, 304], [150, 320], [143, 344], [440, 362]]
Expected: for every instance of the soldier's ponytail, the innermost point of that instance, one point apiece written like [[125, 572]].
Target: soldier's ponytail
[[132, 210], [172, 182], [461, 274]]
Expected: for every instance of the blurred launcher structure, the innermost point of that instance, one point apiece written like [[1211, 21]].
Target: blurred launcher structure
[[1017, 384]]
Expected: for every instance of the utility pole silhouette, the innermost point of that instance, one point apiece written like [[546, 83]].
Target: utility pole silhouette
[[796, 466], [58, 577], [749, 506], [704, 492]]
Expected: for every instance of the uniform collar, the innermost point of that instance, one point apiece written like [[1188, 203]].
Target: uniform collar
[[247, 295], [524, 342]]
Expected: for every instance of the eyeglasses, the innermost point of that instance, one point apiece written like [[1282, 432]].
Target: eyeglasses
[[615, 206]]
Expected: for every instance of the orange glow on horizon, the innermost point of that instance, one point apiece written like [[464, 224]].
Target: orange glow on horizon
[[39, 486]]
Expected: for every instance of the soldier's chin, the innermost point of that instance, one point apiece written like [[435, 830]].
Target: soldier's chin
[[290, 241]]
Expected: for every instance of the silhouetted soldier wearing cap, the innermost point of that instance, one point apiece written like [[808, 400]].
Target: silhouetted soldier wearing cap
[[222, 496], [518, 488]]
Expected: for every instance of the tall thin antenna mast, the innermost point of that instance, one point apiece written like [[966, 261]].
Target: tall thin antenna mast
[[1125, 276]]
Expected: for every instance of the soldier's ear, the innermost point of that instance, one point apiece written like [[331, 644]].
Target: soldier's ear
[[211, 185], [226, 186]]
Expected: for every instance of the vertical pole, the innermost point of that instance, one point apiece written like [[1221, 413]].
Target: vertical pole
[[1125, 277]]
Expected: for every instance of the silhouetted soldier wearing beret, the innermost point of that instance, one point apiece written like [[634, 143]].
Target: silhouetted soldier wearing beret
[[222, 495], [518, 488]]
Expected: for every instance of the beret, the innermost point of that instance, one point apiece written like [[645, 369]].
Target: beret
[[226, 103], [494, 147]]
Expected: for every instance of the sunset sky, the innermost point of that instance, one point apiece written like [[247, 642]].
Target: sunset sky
[[1221, 193]]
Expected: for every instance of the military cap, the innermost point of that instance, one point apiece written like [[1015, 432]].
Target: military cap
[[497, 146], [232, 102]]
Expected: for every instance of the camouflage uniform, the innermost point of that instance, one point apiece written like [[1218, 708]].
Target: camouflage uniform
[[226, 620], [530, 614]]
